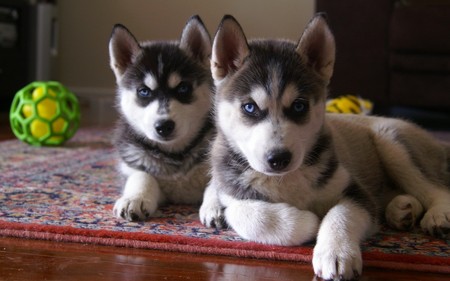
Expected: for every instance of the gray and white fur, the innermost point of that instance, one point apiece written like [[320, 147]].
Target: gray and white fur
[[284, 172], [164, 96]]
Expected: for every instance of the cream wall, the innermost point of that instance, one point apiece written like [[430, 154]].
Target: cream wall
[[85, 27]]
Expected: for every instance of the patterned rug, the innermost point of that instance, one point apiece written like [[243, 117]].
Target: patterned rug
[[67, 193]]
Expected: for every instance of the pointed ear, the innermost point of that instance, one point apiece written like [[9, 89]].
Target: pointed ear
[[123, 49], [317, 47], [195, 40], [229, 50]]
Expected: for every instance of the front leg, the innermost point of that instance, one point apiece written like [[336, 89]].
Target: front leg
[[337, 254], [140, 197], [270, 223], [211, 211]]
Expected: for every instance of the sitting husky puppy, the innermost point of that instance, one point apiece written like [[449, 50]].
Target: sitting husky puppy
[[284, 172], [164, 97]]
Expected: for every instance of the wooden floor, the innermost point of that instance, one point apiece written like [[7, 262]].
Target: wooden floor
[[30, 260], [41, 260]]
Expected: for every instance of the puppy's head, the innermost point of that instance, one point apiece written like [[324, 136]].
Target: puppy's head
[[270, 94], [164, 88]]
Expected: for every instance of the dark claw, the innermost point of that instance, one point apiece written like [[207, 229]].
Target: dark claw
[[218, 223], [408, 222], [134, 217], [408, 217], [221, 223], [212, 224], [440, 232]]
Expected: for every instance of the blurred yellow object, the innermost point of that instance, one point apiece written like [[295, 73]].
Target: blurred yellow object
[[349, 104], [39, 128], [58, 125], [27, 110], [39, 92], [47, 108]]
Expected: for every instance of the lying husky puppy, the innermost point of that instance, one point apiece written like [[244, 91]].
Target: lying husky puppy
[[284, 172], [164, 97]]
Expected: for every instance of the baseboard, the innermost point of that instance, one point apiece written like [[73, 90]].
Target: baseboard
[[97, 105]]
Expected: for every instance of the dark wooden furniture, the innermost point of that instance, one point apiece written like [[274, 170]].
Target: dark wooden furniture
[[393, 52]]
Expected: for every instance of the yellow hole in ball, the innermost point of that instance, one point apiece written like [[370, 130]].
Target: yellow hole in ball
[[27, 110], [47, 108], [58, 125], [38, 128], [56, 139], [39, 92]]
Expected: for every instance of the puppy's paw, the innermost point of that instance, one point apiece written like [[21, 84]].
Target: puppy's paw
[[272, 223], [212, 215], [135, 208], [337, 261], [436, 221], [402, 212]]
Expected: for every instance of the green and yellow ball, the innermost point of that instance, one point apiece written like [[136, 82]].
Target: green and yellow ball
[[44, 113]]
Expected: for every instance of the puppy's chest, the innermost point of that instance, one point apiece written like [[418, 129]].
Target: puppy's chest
[[187, 188], [161, 164], [300, 189]]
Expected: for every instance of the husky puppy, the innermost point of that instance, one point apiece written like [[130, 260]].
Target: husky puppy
[[284, 172], [164, 98]]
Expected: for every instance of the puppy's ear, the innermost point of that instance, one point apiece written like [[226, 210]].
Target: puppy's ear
[[123, 49], [230, 48], [195, 40], [317, 47]]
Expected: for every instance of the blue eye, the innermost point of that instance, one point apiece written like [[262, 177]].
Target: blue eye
[[250, 108], [144, 92], [184, 88], [298, 106]]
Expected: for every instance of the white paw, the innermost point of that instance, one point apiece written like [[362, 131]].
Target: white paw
[[337, 260], [211, 215], [436, 220], [403, 211], [272, 223], [134, 208]]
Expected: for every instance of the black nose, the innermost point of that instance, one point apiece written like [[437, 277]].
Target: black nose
[[278, 160], [164, 127]]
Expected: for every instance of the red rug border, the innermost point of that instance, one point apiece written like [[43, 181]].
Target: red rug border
[[211, 247]]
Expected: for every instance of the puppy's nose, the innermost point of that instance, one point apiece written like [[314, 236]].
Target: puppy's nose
[[278, 160], [164, 127]]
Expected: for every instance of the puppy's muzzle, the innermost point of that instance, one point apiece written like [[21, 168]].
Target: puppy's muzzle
[[278, 160]]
